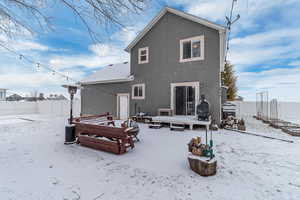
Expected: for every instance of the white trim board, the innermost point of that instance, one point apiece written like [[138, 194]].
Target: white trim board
[[178, 13], [131, 78], [193, 84]]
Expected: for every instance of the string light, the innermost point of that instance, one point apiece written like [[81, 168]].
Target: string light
[[38, 65]]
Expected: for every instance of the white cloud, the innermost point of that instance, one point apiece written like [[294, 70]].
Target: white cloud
[[212, 9], [22, 44], [21, 77], [101, 55], [27, 79], [295, 63], [271, 37], [29, 45], [126, 35], [250, 10], [282, 83], [35, 79], [18, 75], [274, 45]]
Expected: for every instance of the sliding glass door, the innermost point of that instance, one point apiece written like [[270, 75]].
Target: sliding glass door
[[184, 99]]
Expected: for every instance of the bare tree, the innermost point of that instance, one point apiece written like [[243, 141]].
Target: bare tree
[[23, 16]]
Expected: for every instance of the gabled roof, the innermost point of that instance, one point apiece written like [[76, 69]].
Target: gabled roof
[[176, 12], [109, 74]]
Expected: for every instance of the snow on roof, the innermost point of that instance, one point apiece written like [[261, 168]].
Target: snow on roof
[[119, 72]]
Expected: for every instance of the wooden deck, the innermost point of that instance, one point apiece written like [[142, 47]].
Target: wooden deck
[[186, 120]]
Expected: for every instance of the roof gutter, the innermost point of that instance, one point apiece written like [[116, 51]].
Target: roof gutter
[[130, 78]]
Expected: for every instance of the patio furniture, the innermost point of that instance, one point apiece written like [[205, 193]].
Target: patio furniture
[[165, 112], [134, 131], [142, 117], [103, 119], [98, 132]]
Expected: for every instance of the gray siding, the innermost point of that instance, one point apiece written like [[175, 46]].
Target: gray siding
[[163, 69], [101, 98]]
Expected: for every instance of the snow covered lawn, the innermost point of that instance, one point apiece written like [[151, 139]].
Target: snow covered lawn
[[35, 164]]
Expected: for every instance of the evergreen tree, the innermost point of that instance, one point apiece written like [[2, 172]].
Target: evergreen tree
[[229, 80]]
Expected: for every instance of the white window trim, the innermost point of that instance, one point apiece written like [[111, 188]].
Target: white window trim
[[147, 55], [132, 91], [195, 84], [201, 38]]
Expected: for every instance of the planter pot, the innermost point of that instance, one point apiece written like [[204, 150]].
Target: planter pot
[[202, 165]]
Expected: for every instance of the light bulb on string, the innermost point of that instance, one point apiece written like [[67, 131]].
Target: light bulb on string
[[37, 65]]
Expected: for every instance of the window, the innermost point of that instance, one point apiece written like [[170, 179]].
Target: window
[[192, 49], [143, 55], [138, 91]]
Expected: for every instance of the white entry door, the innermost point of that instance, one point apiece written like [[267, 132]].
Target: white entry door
[[123, 106]]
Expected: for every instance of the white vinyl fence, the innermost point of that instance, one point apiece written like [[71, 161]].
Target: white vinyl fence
[[55, 108], [289, 111]]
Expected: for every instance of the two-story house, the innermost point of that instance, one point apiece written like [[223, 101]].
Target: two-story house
[[176, 58]]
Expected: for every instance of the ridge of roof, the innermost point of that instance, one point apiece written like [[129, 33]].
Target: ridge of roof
[[185, 15]]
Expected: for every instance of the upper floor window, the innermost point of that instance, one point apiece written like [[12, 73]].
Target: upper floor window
[[192, 49], [143, 55], [138, 91]]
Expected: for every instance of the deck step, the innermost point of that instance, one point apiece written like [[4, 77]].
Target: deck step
[[155, 126], [177, 127]]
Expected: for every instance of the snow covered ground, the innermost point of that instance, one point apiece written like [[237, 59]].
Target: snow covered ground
[[35, 164]]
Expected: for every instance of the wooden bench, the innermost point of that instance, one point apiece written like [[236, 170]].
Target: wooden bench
[[98, 134]]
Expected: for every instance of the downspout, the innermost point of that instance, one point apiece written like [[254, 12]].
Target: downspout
[[222, 46]]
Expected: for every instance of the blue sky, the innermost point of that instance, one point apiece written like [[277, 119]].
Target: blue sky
[[265, 47]]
